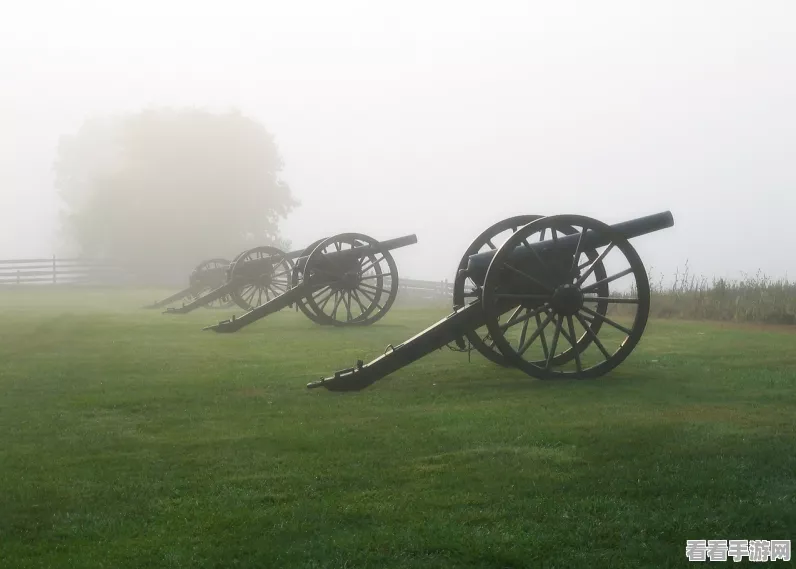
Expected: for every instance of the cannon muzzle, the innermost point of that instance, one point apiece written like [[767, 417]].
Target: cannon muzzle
[[479, 263]]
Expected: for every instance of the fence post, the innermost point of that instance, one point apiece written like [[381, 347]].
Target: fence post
[[54, 270]]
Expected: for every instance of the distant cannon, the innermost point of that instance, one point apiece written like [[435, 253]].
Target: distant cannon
[[207, 276], [253, 277], [345, 280], [551, 274]]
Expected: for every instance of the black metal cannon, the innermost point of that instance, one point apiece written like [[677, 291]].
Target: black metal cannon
[[345, 280], [207, 276], [253, 277], [568, 275]]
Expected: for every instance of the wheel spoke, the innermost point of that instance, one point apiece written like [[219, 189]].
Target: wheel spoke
[[611, 300], [372, 263], [523, 332], [375, 276], [366, 294], [565, 334], [591, 268], [573, 342], [316, 295], [529, 314], [535, 335], [542, 337], [326, 301], [606, 280], [543, 265], [373, 288], [575, 257], [280, 287], [552, 353], [514, 315], [338, 298], [607, 320], [359, 302], [592, 335], [321, 302], [347, 303]]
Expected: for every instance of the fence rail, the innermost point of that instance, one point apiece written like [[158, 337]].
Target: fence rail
[[54, 270], [68, 270], [425, 289]]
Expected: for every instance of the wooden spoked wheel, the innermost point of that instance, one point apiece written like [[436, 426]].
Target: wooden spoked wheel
[[351, 289], [466, 290], [555, 279], [207, 276], [263, 273]]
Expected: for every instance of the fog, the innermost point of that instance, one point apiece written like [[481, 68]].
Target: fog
[[440, 117]]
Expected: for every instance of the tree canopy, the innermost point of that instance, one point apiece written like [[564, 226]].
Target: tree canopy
[[170, 187]]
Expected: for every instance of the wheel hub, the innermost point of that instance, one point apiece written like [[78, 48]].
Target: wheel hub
[[350, 281], [567, 300]]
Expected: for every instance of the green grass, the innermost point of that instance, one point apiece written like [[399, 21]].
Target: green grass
[[133, 439]]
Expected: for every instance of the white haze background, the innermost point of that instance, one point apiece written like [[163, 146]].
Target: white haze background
[[440, 117]]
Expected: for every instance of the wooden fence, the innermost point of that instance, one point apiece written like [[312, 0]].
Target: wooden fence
[[428, 290], [54, 271], [62, 271]]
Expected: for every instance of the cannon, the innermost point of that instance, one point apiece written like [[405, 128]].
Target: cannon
[[349, 279], [253, 277], [567, 276], [207, 276]]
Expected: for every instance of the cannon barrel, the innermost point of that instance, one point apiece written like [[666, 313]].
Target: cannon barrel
[[479, 263], [359, 252]]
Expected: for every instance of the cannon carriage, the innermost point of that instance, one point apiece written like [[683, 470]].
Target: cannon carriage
[[348, 279], [251, 278], [563, 296], [206, 276]]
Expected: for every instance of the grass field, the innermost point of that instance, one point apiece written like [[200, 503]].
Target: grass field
[[133, 439]]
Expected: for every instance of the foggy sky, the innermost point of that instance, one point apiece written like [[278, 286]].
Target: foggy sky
[[441, 117]]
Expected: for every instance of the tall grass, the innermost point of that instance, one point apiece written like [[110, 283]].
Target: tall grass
[[753, 298]]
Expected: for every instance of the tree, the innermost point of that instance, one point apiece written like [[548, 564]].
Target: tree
[[164, 189]]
